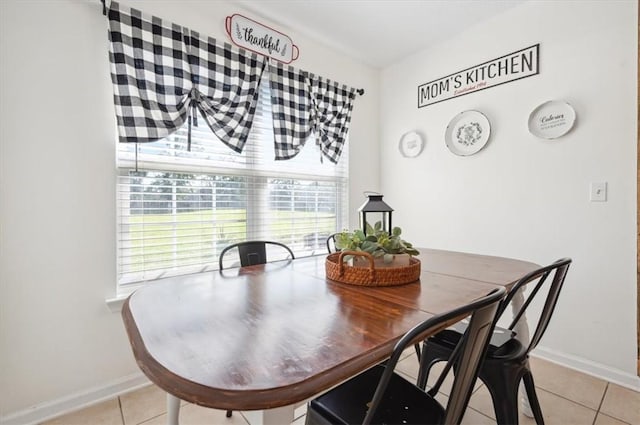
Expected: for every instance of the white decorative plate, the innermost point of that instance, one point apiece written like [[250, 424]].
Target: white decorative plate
[[552, 119], [411, 144], [467, 133]]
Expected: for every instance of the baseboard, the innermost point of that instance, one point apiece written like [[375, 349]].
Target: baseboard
[[598, 370], [54, 408]]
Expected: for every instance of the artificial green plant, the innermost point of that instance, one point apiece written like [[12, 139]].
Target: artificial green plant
[[377, 242]]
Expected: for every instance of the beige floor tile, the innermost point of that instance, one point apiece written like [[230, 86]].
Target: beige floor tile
[[300, 411], [434, 374], [473, 417], [408, 352], [556, 410], [409, 366], [576, 386], [158, 420], [143, 404], [105, 413], [443, 399], [191, 414], [481, 401], [300, 421], [622, 403], [602, 419]]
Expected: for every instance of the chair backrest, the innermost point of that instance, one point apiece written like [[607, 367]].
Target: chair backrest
[[252, 252], [552, 275], [473, 347], [331, 243]]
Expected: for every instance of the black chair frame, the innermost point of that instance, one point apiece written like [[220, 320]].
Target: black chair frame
[[396, 400], [332, 240], [252, 252], [507, 359]]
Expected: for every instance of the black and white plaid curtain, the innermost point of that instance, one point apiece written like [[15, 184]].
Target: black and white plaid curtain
[[164, 73], [304, 103], [331, 106]]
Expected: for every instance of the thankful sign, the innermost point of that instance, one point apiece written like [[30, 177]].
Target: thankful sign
[[507, 68], [259, 38]]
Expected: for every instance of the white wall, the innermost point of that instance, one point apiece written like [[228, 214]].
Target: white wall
[[520, 196], [58, 339], [526, 197]]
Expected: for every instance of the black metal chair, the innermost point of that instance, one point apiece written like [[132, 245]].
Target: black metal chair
[[251, 253], [507, 360], [331, 243], [379, 395]]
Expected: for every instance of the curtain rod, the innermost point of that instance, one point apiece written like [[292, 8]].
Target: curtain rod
[[104, 12]]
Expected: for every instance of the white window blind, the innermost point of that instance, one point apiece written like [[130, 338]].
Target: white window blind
[[181, 208]]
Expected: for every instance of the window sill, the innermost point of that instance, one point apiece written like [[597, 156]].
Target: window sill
[[115, 304], [122, 293]]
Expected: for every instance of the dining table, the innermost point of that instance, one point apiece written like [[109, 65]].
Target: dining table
[[265, 338]]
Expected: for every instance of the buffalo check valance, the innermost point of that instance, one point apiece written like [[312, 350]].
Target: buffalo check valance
[[163, 74], [304, 103]]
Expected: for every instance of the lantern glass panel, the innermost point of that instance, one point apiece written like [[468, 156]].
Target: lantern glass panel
[[373, 217], [375, 210]]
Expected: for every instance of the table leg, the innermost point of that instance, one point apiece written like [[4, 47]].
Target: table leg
[[277, 416], [522, 330], [173, 410]]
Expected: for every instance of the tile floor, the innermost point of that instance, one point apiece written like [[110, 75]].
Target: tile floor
[[566, 396]]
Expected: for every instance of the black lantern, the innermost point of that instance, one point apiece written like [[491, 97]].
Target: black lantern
[[374, 210]]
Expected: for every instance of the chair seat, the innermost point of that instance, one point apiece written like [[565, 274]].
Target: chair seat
[[507, 361], [500, 339], [380, 396], [417, 407]]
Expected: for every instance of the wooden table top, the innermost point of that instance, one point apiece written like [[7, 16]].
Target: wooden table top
[[272, 335]]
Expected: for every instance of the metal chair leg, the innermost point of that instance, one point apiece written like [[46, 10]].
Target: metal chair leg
[[533, 398]]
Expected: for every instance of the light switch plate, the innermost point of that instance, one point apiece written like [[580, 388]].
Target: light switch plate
[[598, 192]]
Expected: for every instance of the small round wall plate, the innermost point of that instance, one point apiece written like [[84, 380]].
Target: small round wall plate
[[467, 133], [552, 119], [411, 144]]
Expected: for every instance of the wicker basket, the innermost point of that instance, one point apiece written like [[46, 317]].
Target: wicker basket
[[337, 270]]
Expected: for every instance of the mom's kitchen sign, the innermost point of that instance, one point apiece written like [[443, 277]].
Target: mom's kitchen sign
[[511, 67], [259, 38]]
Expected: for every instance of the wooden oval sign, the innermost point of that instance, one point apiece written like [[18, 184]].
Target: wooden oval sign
[[259, 38]]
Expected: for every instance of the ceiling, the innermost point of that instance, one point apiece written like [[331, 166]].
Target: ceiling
[[378, 32]]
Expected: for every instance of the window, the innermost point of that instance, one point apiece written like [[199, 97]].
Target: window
[[181, 208]]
